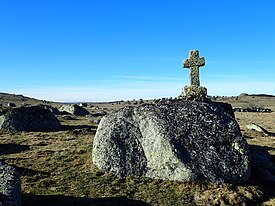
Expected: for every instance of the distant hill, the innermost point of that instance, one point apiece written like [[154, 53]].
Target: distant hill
[[6, 98], [242, 100], [262, 95]]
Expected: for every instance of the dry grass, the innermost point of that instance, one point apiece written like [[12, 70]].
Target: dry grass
[[56, 169]]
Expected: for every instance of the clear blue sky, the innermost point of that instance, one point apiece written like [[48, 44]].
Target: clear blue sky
[[99, 50]]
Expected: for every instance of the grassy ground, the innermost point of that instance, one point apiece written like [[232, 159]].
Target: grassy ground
[[56, 169]]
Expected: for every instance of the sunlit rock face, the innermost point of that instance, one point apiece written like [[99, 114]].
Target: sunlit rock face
[[74, 109], [173, 140]]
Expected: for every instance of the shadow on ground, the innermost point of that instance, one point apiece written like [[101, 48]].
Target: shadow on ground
[[262, 168], [264, 148], [29, 172], [12, 148], [59, 200], [74, 127], [271, 134]]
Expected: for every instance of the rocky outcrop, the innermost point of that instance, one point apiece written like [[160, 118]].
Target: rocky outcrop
[[28, 118], [175, 140], [74, 109], [10, 189]]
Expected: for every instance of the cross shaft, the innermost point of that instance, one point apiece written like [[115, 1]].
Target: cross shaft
[[194, 62]]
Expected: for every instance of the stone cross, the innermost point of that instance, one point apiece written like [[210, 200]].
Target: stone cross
[[194, 62]]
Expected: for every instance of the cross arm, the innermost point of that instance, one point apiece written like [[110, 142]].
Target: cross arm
[[187, 63]]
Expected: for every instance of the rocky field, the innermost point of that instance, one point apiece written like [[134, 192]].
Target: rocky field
[[56, 167]]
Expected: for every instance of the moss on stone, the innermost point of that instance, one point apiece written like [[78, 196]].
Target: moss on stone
[[195, 92]]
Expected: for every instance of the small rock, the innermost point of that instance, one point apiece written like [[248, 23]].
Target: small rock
[[83, 131], [74, 109], [99, 114], [257, 128], [83, 104], [11, 104], [68, 117], [95, 121]]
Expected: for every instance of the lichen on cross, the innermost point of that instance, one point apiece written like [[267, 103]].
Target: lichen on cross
[[194, 62], [194, 91]]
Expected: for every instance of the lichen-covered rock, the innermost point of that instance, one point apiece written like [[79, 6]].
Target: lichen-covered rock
[[10, 189], [175, 140], [74, 109], [194, 93], [28, 118]]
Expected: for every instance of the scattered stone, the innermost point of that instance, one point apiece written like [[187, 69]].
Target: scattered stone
[[95, 120], [84, 131], [68, 117], [11, 104], [237, 109], [28, 118], [257, 128], [194, 91], [10, 189], [179, 140], [74, 109], [84, 104], [99, 114], [253, 109]]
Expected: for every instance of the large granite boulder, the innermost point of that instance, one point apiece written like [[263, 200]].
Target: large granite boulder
[[10, 189], [74, 109], [28, 118], [179, 140]]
